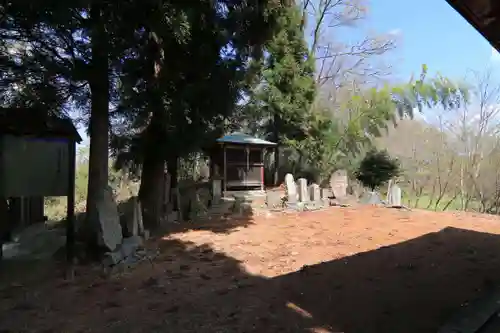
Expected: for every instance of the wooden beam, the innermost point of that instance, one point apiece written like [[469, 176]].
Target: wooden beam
[[262, 154], [247, 155], [276, 166], [70, 209]]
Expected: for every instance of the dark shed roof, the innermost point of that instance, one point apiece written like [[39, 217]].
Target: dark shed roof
[[484, 15], [37, 123]]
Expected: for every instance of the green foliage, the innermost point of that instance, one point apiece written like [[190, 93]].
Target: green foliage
[[319, 148], [80, 56], [335, 140], [376, 168], [437, 91], [281, 97], [55, 207]]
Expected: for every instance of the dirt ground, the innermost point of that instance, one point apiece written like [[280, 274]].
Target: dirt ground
[[351, 270]]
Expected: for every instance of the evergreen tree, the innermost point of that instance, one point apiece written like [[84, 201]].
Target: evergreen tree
[[181, 83], [281, 98], [285, 87]]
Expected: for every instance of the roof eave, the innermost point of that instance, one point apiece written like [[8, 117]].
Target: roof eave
[[270, 144], [468, 14]]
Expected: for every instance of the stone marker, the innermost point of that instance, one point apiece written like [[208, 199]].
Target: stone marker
[[198, 204], [129, 245], [108, 220], [138, 218], [273, 199], [130, 215], [242, 206], [356, 189], [216, 191], [291, 188], [326, 193], [303, 193], [127, 248], [339, 183], [395, 196], [371, 198], [389, 186], [315, 193]]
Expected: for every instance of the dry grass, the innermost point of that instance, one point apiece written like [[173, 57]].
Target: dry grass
[[353, 270]]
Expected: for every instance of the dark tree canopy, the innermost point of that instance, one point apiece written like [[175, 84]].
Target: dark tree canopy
[[160, 76], [281, 95]]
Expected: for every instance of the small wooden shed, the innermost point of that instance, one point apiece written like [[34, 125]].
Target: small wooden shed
[[37, 159], [240, 158]]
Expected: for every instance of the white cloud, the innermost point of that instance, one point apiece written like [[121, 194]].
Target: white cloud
[[395, 32]]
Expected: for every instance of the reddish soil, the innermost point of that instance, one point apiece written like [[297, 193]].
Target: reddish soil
[[346, 270]]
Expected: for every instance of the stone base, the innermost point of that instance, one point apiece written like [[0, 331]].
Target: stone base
[[126, 249], [275, 200], [314, 205], [242, 208], [337, 203], [371, 198], [224, 207], [297, 206]]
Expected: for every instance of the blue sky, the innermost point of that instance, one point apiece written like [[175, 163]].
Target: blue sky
[[432, 32]]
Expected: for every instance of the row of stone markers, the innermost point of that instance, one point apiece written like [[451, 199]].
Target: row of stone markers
[[301, 196]]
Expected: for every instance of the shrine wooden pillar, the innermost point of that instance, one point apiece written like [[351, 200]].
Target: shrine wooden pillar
[[225, 168]]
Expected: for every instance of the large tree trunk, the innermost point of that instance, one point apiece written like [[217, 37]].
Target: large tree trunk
[[4, 224], [153, 168], [150, 191], [99, 116], [173, 169]]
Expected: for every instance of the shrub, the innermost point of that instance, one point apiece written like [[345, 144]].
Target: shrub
[[376, 168]]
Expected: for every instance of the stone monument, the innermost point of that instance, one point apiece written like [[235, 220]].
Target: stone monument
[[395, 196], [303, 193], [216, 191], [315, 193], [339, 183], [291, 188], [109, 229]]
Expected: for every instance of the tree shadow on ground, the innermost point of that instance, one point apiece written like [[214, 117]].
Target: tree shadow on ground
[[413, 286], [219, 224]]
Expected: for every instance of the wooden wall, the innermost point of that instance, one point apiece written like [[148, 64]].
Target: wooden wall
[[33, 167]]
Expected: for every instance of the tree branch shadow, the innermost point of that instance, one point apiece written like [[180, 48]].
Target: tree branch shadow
[[412, 287]]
